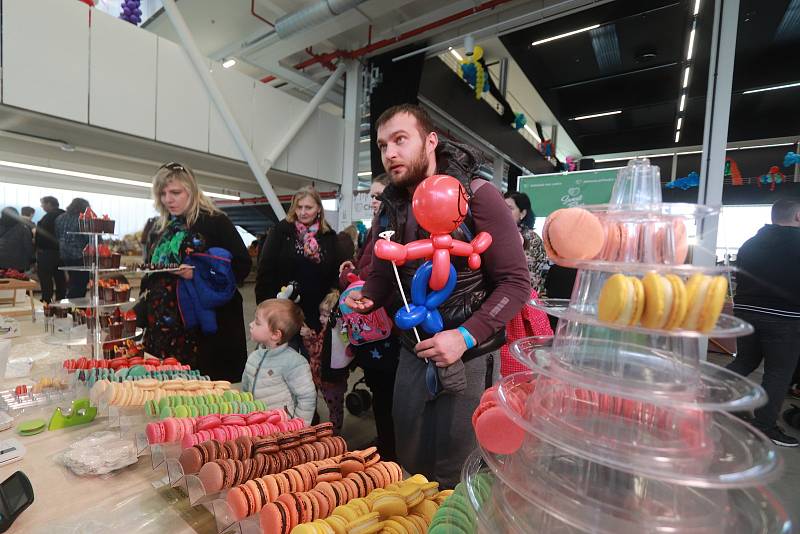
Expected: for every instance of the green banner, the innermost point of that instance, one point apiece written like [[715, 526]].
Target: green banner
[[549, 192]]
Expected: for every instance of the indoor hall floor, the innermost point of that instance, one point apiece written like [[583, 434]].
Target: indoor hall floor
[[360, 431]]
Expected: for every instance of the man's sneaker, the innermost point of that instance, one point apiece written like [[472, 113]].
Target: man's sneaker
[[779, 438]]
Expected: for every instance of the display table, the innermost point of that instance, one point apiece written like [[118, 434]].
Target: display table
[[13, 285], [132, 499]]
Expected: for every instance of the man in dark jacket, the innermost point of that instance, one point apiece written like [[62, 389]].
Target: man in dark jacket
[[433, 431], [47, 258], [768, 297]]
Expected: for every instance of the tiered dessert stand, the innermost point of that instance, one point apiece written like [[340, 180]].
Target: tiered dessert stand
[[629, 429]]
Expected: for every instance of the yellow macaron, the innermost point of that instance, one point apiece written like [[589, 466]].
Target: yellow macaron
[[706, 296], [366, 524], [426, 510], [389, 504], [679, 302], [621, 300]]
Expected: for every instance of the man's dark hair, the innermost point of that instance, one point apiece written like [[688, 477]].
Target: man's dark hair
[[27, 211], [51, 201], [784, 210], [424, 122]]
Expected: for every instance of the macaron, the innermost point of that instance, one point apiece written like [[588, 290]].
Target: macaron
[[426, 510], [274, 518], [706, 296], [242, 502], [389, 504], [366, 524], [621, 300], [213, 476], [573, 234]]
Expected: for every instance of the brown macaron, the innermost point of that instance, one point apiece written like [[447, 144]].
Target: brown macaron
[[323, 429], [350, 463], [370, 456]]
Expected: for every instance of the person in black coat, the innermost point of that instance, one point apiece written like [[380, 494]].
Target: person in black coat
[[189, 222], [47, 253], [301, 248], [16, 241]]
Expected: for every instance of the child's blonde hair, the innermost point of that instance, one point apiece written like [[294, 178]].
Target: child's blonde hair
[[330, 301], [282, 315]]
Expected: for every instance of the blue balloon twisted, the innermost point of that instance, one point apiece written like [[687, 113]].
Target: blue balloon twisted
[[422, 309], [790, 159]]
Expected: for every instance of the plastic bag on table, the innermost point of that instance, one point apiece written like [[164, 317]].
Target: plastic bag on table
[[98, 454]]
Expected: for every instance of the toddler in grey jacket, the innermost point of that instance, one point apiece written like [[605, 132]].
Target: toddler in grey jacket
[[277, 374]]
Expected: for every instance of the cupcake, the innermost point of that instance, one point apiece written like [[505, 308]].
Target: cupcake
[[115, 330], [88, 256], [116, 259], [107, 224], [105, 320], [108, 350], [105, 256], [122, 293], [129, 323], [90, 220]]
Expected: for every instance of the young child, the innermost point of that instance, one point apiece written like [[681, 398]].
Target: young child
[[277, 374], [331, 382]]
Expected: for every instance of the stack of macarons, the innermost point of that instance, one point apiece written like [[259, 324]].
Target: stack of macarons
[[494, 429], [560, 401], [456, 515], [663, 302], [221, 427], [249, 497], [151, 363], [312, 443], [231, 402], [253, 424], [136, 372], [338, 507], [406, 507], [574, 234], [138, 392]]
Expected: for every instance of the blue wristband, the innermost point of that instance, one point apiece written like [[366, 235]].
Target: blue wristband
[[468, 339]]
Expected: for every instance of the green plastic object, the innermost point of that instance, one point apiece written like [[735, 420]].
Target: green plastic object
[[80, 414], [31, 427]]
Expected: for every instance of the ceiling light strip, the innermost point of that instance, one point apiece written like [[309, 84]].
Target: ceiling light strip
[[686, 77], [95, 177], [691, 43], [696, 7], [773, 88], [561, 36], [595, 115], [682, 105]]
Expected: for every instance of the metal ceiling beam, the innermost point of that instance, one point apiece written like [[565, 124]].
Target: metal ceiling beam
[[199, 63]]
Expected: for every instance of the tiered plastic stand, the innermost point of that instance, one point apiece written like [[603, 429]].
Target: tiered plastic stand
[[628, 429], [93, 337]]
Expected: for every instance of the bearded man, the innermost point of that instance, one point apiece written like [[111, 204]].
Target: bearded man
[[433, 428]]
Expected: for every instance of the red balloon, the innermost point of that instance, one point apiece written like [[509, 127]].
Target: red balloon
[[441, 269], [440, 204], [389, 250]]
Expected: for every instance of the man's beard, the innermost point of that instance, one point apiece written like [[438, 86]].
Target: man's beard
[[415, 171]]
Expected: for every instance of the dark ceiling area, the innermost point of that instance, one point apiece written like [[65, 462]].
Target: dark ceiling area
[[635, 62]]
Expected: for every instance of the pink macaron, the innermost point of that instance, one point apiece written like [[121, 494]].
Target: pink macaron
[[256, 417], [155, 433]]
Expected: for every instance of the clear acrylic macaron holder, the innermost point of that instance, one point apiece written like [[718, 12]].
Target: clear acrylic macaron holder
[[627, 429]]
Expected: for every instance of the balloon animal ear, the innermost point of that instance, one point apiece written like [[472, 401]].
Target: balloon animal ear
[[291, 291]]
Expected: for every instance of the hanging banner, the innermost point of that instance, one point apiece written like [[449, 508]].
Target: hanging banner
[[550, 192]]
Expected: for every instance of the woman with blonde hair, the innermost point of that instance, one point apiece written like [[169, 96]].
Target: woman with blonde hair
[[302, 249], [189, 223]]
